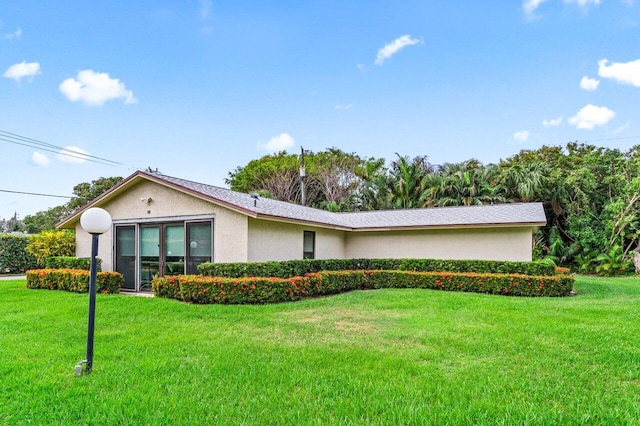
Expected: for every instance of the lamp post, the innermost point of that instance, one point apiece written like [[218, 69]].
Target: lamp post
[[95, 221]]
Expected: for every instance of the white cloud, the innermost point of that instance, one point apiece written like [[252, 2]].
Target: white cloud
[[22, 70], [589, 84], [338, 107], [16, 35], [73, 154], [277, 143], [205, 9], [554, 122], [40, 159], [95, 88], [530, 7], [583, 3], [394, 47], [521, 136], [626, 73], [591, 116]]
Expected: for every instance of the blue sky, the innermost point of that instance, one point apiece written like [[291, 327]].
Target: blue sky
[[197, 88]]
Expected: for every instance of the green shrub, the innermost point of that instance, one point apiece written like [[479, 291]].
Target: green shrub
[[69, 262], [206, 290], [293, 268], [75, 280], [14, 257], [51, 243], [256, 290]]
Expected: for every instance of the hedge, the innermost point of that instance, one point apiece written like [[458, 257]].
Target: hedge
[[69, 262], [13, 255], [293, 268], [248, 290], [75, 280]]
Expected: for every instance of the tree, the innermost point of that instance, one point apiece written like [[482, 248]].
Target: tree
[[406, 179], [333, 178], [463, 184]]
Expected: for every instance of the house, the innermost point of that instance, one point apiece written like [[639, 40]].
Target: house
[[166, 225]]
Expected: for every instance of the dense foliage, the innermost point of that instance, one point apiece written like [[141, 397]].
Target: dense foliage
[[14, 257], [74, 280], [591, 194], [294, 268], [51, 243], [70, 262], [257, 290]]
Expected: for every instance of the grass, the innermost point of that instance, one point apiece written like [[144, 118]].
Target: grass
[[365, 357]]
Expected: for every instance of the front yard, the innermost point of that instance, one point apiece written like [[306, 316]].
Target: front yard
[[365, 357]]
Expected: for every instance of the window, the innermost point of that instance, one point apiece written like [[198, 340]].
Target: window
[[309, 245]]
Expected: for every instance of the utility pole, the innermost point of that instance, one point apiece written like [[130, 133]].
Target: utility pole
[[303, 173]]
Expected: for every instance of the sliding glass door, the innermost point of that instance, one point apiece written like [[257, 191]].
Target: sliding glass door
[[149, 255], [147, 250], [126, 255]]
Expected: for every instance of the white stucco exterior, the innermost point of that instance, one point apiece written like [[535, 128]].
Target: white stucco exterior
[[462, 243], [274, 240]]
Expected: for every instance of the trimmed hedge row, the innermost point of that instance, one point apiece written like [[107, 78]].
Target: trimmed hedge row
[[14, 257], [69, 262], [248, 290], [75, 280], [295, 268]]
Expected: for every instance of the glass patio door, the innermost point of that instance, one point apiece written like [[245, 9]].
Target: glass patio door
[[126, 255], [173, 250], [149, 255]]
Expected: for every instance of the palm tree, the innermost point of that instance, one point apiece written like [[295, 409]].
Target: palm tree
[[406, 178], [462, 184]]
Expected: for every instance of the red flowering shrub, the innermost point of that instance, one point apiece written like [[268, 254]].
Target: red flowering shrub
[[74, 280], [256, 290]]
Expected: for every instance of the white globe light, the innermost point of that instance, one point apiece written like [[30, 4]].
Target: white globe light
[[95, 220]]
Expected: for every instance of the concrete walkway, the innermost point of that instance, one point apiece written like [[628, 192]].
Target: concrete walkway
[[12, 277]]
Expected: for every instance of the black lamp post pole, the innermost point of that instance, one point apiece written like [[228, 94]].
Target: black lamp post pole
[[92, 301]]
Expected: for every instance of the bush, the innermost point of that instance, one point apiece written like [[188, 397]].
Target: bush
[[248, 290], [75, 280], [293, 268], [13, 255], [69, 262], [206, 290], [51, 243]]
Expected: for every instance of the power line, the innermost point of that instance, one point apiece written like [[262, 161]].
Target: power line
[[35, 193], [47, 147]]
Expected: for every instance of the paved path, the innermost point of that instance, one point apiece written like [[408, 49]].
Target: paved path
[[12, 277]]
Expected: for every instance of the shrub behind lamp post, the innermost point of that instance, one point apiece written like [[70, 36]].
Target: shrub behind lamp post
[[95, 221]]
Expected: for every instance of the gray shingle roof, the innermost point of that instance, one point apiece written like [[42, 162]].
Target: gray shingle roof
[[499, 214]]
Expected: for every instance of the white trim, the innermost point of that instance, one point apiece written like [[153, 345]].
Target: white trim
[[165, 219]]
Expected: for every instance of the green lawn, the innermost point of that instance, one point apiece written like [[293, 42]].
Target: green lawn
[[367, 357]]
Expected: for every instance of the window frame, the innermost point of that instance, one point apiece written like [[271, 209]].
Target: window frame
[[309, 254]]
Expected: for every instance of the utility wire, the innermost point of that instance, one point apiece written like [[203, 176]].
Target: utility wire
[[35, 193], [47, 147]]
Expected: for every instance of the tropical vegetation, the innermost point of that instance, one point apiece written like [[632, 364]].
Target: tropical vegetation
[[591, 195]]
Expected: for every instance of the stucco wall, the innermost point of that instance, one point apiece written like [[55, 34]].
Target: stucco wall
[[230, 228], [487, 244], [271, 240]]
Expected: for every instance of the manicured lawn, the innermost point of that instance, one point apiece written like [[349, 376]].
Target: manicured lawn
[[366, 357]]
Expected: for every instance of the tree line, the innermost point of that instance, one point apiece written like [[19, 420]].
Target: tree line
[[591, 194]]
